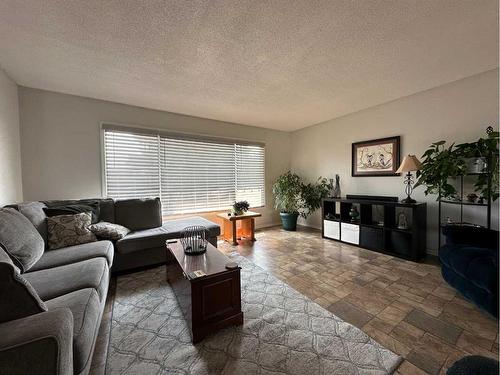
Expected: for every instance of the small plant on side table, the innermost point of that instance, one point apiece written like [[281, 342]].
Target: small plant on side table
[[240, 207]]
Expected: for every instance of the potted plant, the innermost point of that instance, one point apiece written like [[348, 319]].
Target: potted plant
[[287, 190], [441, 163], [438, 165], [313, 193], [293, 198], [240, 207]]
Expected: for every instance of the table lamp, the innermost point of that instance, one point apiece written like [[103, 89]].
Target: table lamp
[[410, 163]]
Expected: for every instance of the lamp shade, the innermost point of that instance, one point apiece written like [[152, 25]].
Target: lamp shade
[[410, 163]]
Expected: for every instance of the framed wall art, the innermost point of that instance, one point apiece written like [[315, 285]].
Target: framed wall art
[[378, 157]]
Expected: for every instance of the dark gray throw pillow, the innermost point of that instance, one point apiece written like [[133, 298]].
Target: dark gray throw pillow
[[109, 231], [74, 208], [69, 230], [19, 299], [138, 214], [20, 239]]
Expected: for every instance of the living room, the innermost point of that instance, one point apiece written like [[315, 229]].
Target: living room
[[152, 118]]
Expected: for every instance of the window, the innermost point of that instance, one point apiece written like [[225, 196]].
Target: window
[[188, 174]]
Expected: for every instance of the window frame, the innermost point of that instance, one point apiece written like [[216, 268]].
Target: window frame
[[139, 129]]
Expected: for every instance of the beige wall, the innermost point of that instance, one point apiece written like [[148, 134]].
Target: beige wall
[[61, 143], [10, 155], [458, 111]]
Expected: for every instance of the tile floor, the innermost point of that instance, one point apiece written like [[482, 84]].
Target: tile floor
[[406, 306]]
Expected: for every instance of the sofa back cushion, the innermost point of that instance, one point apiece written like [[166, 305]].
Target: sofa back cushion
[[35, 214], [18, 299], [20, 239], [138, 214], [106, 209], [74, 208]]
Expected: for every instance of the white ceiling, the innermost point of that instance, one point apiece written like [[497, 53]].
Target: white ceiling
[[275, 64]]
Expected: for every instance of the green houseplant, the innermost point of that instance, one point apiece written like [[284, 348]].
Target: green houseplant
[[441, 163], [293, 198], [438, 165], [240, 207], [287, 199]]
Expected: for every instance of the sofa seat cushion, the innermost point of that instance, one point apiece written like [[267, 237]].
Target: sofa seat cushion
[[54, 282], [142, 239], [18, 299], [175, 227], [156, 237], [73, 254], [477, 265], [86, 309]]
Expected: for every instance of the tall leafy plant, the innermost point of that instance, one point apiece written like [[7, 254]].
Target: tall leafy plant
[[286, 190], [293, 196], [441, 162], [438, 165], [313, 193]]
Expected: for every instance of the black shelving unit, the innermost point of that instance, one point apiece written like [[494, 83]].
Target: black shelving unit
[[376, 228], [463, 203]]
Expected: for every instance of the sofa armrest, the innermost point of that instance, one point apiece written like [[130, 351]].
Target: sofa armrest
[[38, 344], [471, 236]]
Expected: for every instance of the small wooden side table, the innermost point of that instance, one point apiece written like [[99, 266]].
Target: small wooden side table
[[247, 230]]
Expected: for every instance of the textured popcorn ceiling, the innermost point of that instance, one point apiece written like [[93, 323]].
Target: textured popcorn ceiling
[[276, 64]]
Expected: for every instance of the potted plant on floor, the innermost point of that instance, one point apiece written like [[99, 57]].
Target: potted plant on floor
[[287, 199], [293, 198]]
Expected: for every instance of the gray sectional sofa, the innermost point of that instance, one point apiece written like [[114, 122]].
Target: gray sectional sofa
[[50, 313]]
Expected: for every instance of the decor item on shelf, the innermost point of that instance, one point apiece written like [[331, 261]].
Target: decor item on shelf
[[194, 240], [330, 216], [402, 221], [471, 198], [354, 214], [336, 189], [240, 207], [478, 165], [410, 163], [293, 198], [378, 157]]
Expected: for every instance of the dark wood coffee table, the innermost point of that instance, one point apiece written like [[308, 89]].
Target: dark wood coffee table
[[210, 302]]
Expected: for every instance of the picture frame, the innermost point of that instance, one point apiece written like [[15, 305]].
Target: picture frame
[[376, 157]]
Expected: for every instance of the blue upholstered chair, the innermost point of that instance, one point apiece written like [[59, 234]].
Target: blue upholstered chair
[[469, 262]]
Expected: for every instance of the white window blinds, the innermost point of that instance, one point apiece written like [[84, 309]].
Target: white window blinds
[[249, 174], [196, 176], [131, 165], [189, 175]]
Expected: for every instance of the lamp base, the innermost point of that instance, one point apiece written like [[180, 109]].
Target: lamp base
[[408, 200]]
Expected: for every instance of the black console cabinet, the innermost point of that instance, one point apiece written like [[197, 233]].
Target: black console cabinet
[[376, 228]]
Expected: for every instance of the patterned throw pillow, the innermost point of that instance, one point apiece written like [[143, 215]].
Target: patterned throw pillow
[[109, 231], [69, 230]]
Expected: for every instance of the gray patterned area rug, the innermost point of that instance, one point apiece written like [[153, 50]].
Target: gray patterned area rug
[[284, 332]]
